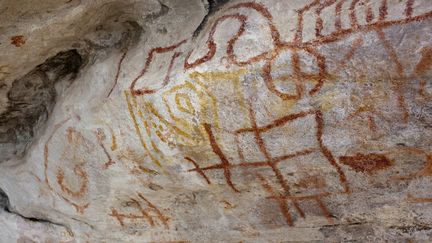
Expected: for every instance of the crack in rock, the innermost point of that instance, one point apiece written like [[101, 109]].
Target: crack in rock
[[5, 206]]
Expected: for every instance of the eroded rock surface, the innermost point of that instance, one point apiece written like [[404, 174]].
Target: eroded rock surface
[[216, 121]]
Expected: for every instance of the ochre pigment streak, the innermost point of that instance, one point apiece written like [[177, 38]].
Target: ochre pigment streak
[[399, 70], [298, 38], [324, 208], [352, 14], [366, 163], [262, 147], [298, 76], [113, 140], [322, 75], [18, 40], [138, 130], [391, 52], [143, 213], [317, 198], [66, 193], [314, 49], [412, 199], [338, 10], [343, 33], [283, 205], [340, 32], [46, 151], [421, 69], [427, 170], [320, 127], [425, 63], [65, 188], [369, 12], [282, 201], [159, 214], [149, 59], [211, 45], [117, 72], [319, 21], [297, 44], [278, 122], [409, 8], [110, 160], [198, 169], [273, 31], [271, 162], [275, 160], [265, 13], [295, 60], [271, 84], [383, 11], [355, 45], [224, 161]]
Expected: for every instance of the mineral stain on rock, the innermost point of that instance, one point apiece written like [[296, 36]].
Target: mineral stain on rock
[[366, 163], [425, 62]]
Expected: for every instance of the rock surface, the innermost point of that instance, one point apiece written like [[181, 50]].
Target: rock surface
[[216, 121]]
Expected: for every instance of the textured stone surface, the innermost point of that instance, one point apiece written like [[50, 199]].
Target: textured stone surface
[[216, 121]]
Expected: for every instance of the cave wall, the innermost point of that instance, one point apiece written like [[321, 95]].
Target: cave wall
[[216, 121]]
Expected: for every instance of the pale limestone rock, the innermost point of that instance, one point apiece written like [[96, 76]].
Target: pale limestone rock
[[216, 121]]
